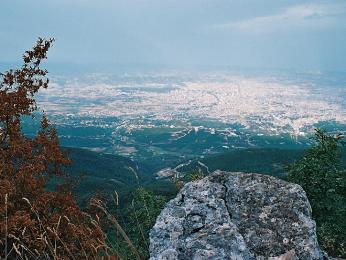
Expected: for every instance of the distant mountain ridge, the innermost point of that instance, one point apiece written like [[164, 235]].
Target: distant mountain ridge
[[107, 173]]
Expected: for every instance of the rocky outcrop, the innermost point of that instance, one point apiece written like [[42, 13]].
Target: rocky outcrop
[[166, 173], [236, 216]]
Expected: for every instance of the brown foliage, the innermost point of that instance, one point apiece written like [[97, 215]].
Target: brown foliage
[[35, 222]]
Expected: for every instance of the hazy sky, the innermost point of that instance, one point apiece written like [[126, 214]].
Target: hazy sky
[[234, 33]]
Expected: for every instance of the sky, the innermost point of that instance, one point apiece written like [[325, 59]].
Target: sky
[[180, 33]]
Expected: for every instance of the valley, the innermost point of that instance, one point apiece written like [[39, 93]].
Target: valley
[[122, 130]]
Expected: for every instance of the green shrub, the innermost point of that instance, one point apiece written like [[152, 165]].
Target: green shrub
[[194, 176], [321, 174]]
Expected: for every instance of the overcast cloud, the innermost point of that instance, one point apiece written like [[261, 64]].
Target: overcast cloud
[[180, 33]]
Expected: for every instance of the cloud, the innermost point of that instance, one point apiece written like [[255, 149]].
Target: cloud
[[298, 16]]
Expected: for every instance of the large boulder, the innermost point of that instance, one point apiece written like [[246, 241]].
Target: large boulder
[[236, 216]]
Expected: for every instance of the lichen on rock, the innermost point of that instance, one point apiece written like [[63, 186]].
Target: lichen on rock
[[236, 216]]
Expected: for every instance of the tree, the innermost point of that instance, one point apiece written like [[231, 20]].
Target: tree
[[322, 176], [34, 222]]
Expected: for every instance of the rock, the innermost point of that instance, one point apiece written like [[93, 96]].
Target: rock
[[290, 255], [236, 216], [166, 173]]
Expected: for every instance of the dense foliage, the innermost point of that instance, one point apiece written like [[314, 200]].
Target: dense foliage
[[321, 173], [36, 223]]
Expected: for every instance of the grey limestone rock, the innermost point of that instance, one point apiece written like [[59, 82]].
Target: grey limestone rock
[[236, 216]]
